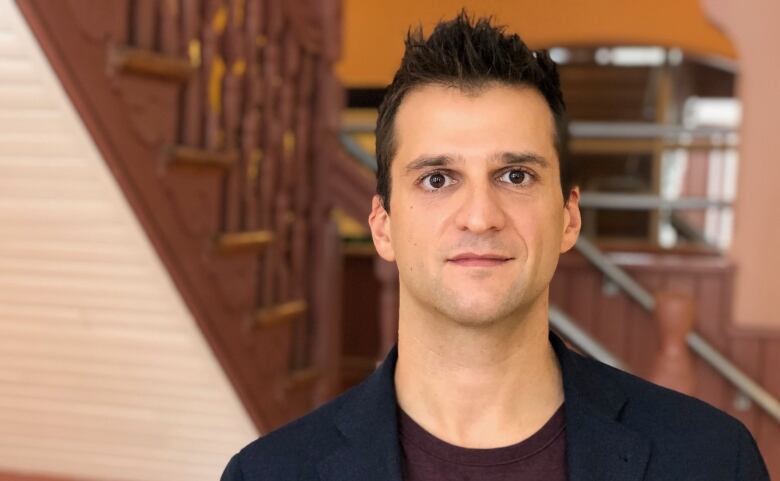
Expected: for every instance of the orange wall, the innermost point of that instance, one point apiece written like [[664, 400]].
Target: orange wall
[[752, 24], [374, 29]]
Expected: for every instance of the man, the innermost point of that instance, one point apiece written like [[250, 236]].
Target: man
[[475, 204]]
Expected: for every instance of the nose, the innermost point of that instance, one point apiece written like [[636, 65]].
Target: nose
[[480, 210]]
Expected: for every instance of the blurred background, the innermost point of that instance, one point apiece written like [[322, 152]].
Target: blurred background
[[184, 190]]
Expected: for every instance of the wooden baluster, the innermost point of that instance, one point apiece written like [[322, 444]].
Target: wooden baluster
[[327, 333], [122, 25], [169, 27], [191, 124], [235, 62], [284, 213], [387, 274], [145, 24], [326, 285], [301, 164], [273, 141], [287, 94], [214, 70], [251, 146], [673, 366]]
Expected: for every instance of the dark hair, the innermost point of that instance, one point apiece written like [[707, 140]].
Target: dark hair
[[469, 55]]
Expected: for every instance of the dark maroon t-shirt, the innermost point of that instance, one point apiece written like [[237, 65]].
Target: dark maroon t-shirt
[[541, 457]]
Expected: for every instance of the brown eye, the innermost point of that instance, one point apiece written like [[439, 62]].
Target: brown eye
[[517, 177], [437, 181]]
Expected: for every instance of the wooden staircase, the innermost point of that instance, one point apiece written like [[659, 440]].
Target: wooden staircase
[[219, 122]]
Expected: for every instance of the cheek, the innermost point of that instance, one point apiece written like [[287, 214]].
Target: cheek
[[541, 230], [422, 239]]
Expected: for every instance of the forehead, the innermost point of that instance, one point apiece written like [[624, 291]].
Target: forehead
[[475, 123]]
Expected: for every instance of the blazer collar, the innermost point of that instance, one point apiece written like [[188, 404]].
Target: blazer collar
[[598, 446]]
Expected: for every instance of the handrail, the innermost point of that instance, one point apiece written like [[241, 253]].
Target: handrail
[[581, 339], [614, 273], [699, 345], [355, 150], [614, 130], [646, 130], [630, 201], [644, 298]]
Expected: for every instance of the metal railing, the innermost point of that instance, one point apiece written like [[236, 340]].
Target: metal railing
[[699, 345], [727, 137], [582, 340], [625, 201], [651, 131]]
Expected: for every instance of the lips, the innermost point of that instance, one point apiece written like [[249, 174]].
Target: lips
[[479, 260]]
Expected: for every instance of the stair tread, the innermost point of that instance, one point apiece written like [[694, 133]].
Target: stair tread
[[247, 240], [148, 62], [280, 313], [299, 378], [194, 157]]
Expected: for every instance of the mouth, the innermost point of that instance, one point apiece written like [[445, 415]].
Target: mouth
[[479, 260]]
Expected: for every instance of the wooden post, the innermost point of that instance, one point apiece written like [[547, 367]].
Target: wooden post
[[673, 366], [387, 274]]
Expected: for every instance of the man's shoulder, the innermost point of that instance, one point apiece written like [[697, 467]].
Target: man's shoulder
[[688, 436], [669, 418], [291, 448]]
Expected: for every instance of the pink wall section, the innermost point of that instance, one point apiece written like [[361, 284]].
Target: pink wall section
[[752, 26]]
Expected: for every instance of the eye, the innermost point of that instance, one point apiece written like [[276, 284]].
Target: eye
[[517, 176], [434, 181]]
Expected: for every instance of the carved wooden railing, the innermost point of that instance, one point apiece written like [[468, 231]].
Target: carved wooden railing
[[219, 119]]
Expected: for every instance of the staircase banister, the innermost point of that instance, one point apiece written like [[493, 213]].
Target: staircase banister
[[698, 344], [583, 341]]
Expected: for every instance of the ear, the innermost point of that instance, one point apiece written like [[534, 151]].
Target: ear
[[379, 222], [572, 221]]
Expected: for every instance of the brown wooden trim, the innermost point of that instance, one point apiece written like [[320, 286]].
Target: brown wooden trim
[[650, 262], [140, 61], [770, 333], [636, 146], [634, 245], [10, 476]]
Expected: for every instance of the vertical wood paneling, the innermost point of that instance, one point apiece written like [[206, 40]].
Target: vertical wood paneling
[[560, 291], [611, 320], [145, 14], [103, 371], [643, 337], [581, 303]]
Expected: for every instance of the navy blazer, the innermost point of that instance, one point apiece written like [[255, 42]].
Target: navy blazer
[[618, 428]]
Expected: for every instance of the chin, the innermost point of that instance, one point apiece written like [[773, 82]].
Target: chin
[[476, 314]]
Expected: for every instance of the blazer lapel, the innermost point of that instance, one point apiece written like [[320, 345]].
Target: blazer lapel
[[367, 421], [599, 448]]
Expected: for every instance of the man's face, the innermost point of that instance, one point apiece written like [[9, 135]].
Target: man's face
[[475, 173]]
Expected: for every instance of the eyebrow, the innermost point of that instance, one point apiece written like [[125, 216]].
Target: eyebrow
[[507, 158]]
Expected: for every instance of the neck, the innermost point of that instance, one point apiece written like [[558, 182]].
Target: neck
[[477, 386]]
